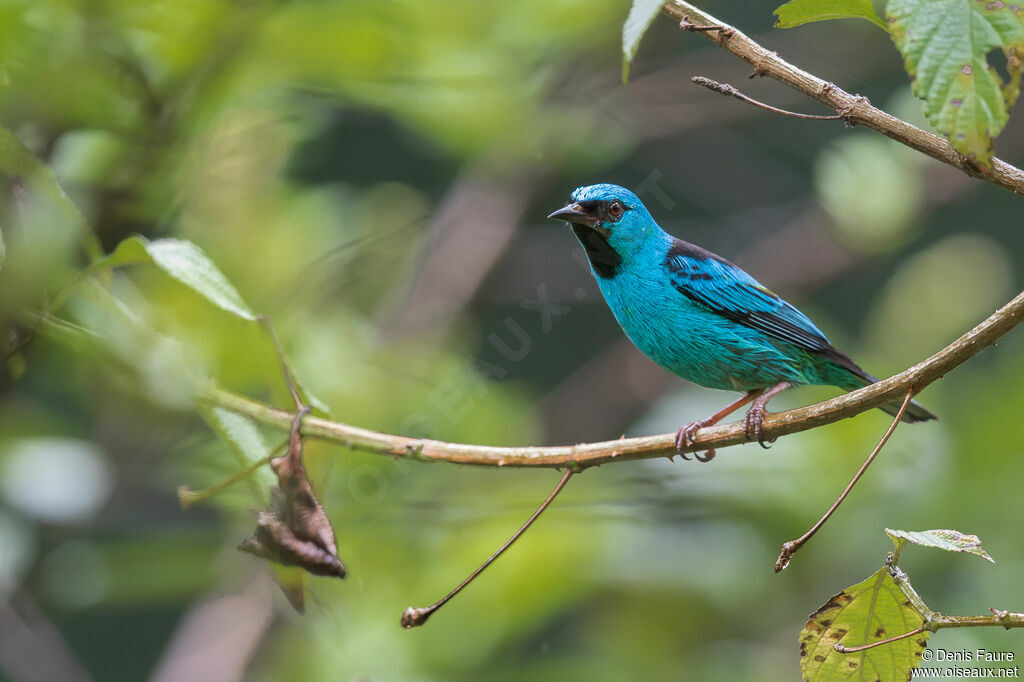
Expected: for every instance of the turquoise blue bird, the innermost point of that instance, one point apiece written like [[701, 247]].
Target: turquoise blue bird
[[701, 317]]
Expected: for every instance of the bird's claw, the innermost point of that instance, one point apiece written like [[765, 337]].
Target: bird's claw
[[685, 438], [706, 457], [753, 422]]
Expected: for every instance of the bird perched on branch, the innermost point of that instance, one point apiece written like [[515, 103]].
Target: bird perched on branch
[[701, 317]]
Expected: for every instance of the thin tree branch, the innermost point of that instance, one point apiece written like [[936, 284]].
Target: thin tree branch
[[416, 616], [793, 546], [1003, 619], [582, 456], [856, 110], [935, 621], [289, 378]]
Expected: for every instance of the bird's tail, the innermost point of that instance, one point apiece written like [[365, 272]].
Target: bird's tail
[[859, 378]]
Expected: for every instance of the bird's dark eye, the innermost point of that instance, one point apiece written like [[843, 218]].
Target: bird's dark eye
[[615, 210]]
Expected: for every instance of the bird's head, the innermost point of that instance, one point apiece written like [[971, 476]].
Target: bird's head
[[610, 221]]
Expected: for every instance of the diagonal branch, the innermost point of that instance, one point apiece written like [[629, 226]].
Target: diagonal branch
[[855, 110], [582, 456]]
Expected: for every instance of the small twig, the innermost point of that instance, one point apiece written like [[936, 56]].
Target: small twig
[[49, 308], [1003, 619], [853, 649], [294, 454], [935, 621], [289, 379], [189, 497], [1000, 615], [726, 89], [687, 25], [790, 548], [415, 616]]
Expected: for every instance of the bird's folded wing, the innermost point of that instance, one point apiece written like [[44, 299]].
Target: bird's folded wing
[[725, 289]]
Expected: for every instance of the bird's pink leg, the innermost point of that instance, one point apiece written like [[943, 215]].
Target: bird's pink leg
[[755, 415], [684, 436]]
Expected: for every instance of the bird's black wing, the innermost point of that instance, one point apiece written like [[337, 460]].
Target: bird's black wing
[[725, 289]]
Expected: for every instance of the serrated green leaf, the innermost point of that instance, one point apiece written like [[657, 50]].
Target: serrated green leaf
[[944, 45], [869, 611], [800, 12], [949, 540], [641, 14]]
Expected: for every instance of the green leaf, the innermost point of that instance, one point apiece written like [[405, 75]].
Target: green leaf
[[949, 540], [800, 12], [641, 14], [18, 162], [241, 432], [131, 251], [185, 262], [944, 44], [869, 611], [308, 396], [246, 440]]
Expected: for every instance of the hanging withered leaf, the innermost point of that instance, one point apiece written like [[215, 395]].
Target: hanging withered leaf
[[295, 530]]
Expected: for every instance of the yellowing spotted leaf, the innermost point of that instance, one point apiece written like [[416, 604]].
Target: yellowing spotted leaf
[[867, 612]]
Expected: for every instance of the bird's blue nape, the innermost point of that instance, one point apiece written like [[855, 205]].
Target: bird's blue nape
[[606, 192]]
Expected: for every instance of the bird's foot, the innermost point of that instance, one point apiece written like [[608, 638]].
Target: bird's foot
[[685, 438], [754, 421], [753, 424]]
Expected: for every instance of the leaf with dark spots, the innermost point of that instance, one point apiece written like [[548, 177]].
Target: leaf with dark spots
[[945, 45], [861, 614]]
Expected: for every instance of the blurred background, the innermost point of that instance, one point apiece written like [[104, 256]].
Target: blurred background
[[375, 176]]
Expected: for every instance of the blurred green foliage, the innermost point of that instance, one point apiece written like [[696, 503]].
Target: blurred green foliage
[[310, 148]]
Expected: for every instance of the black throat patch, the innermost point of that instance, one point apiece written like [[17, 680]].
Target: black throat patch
[[603, 258]]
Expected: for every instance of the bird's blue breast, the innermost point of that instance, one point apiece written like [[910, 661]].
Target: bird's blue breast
[[685, 336]]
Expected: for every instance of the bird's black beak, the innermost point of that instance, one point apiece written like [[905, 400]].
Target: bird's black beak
[[573, 213]]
